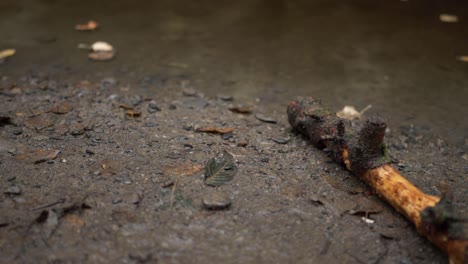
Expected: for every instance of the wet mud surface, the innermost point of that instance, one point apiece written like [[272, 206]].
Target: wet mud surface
[[105, 162]]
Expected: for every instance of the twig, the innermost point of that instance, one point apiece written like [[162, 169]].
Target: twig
[[172, 192], [363, 152], [61, 200]]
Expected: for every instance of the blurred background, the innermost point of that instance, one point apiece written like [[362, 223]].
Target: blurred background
[[401, 57]]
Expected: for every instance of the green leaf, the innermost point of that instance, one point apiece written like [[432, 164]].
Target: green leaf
[[219, 173]]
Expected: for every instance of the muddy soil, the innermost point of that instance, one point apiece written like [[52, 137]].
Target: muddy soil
[[102, 162]]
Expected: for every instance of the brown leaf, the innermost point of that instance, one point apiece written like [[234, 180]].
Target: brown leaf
[[463, 58], [182, 169], [133, 113], [241, 109], [38, 155], [61, 108], [101, 55], [109, 167], [126, 107], [39, 122], [91, 25], [219, 130], [7, 53]]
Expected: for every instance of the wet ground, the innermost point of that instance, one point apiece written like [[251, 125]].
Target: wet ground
[[86, 179]]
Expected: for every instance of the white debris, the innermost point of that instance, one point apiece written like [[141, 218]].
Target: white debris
[[349, 112], [448, 18], [368, 220], [101, 46]]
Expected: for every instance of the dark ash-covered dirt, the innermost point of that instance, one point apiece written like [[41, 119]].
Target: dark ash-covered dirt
[[290, 203]]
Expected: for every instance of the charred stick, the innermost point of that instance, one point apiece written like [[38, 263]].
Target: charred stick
[[360, 147]]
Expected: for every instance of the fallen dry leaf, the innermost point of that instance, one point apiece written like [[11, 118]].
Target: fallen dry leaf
[[448, 18], [182, 169], [61, 108], [241, 109], [39, 122], [126, 107], [38, 155], [101, 55], [7, 53], [133, 113], [91, 25], [219, 130], [463, 58]]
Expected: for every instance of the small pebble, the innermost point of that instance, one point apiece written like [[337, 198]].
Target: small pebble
[[265, 160], [224, 97], [134, 198], [15, 190], [189, 92], [216, 201], [281, 140], [242, 143], [228, 136], [153, 107], [266, 119]]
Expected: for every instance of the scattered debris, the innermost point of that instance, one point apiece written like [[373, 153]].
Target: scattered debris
[[126, 107], [368, 220], [109, 167], [463, 58], [218, 130], [350, 113], [39, 122], [133, 198], [224, 97], [61, 108], [73, 221], [153, 107], [171, 203], [101, 46], [14, 190], [182, 169], [465, 157], [101, 55], [365, 212], [38, 155], [242, 143], [448, 18], [132, 113], [7, 53], [195, 103], [280, 140], [219, 173], [266, 119], [189, 91], [100, 51], [216, 201], [241, 109], [90, 26]]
